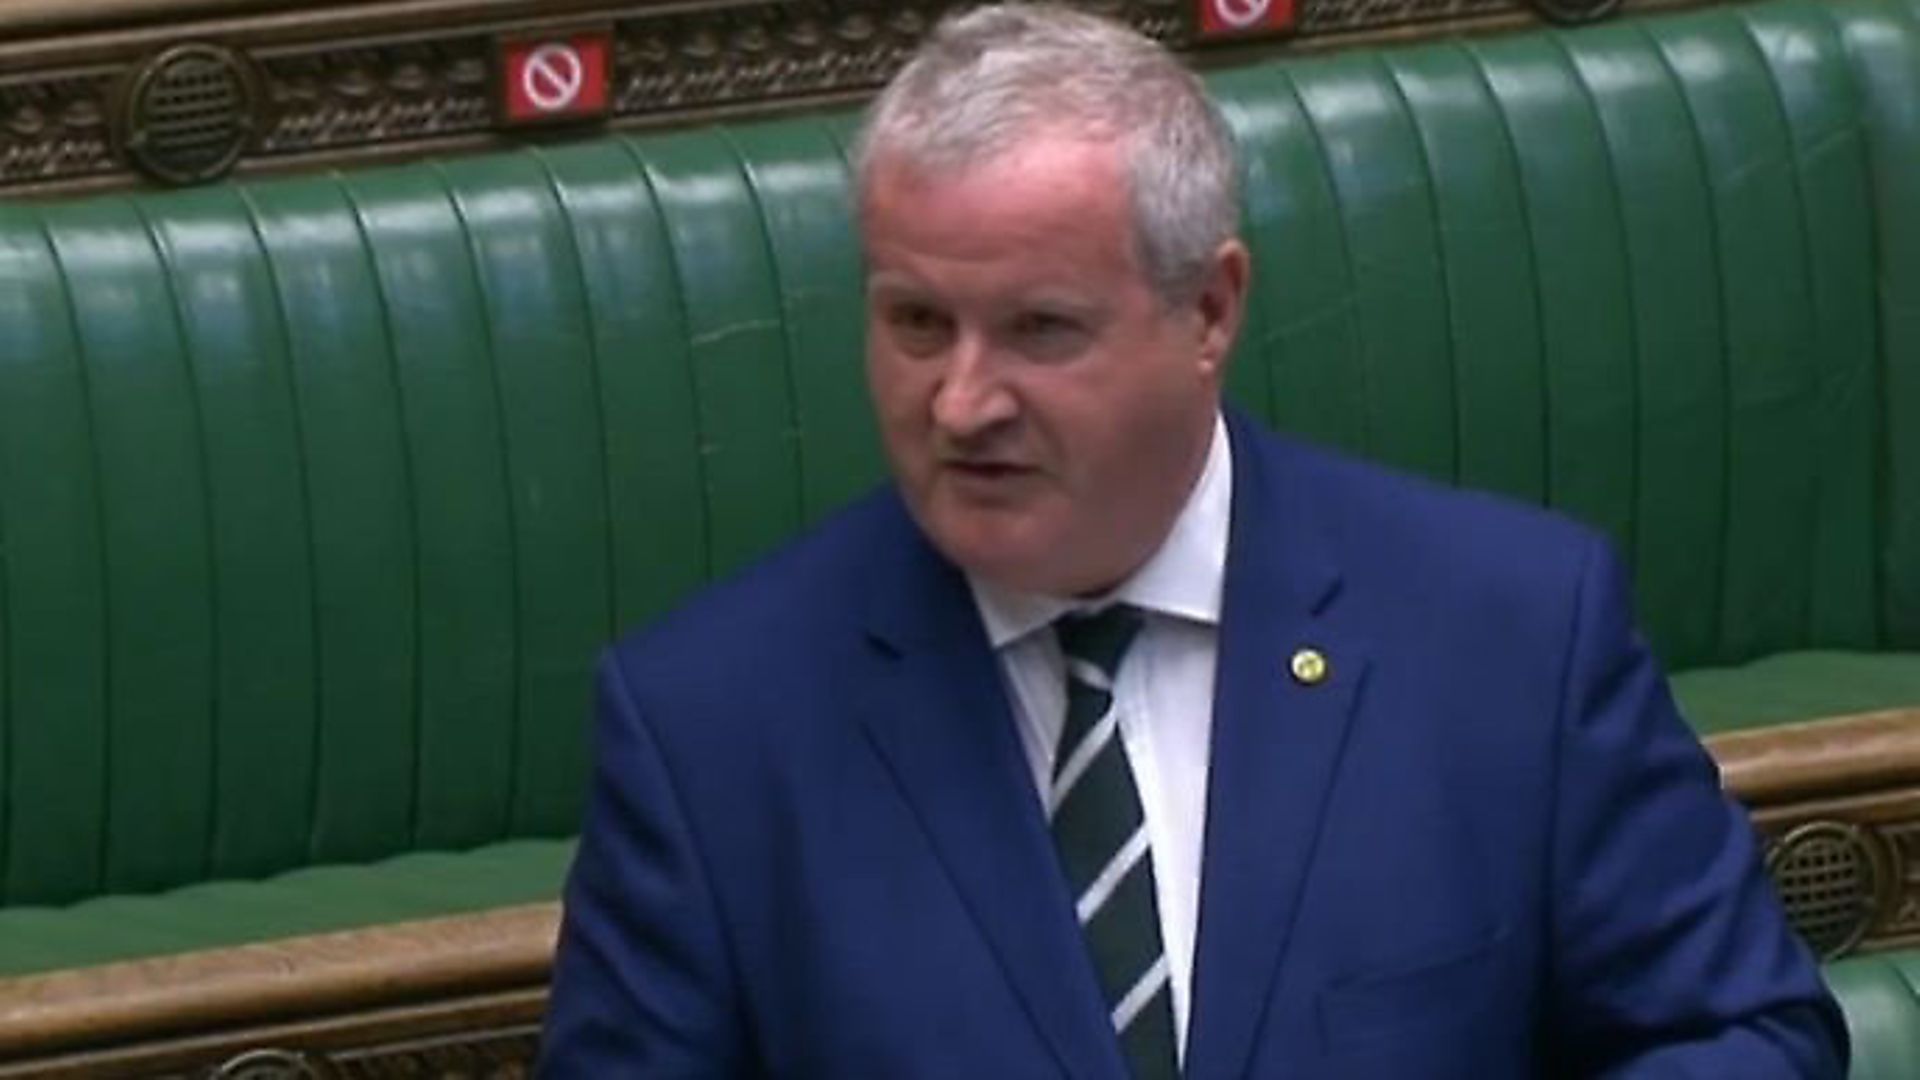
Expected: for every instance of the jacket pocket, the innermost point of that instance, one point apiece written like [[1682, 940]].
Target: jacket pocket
[[1448, 987]]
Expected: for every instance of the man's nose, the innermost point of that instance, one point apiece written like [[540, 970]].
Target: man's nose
[[972, 398]]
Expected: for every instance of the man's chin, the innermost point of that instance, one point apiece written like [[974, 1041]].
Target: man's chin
[[1011, 562]]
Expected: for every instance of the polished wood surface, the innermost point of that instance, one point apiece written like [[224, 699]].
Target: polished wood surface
[[361, 971], [1821, 758]]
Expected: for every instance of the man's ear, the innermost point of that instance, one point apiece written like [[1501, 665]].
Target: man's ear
[[1222, 305]]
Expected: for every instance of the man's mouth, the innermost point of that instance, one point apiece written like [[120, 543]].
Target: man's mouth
[[989, 467], [988, 470]]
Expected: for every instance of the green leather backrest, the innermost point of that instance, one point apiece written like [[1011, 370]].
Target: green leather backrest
[[1658, 274], [318, 496]]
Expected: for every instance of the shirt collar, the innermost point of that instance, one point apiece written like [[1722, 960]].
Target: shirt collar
[[1182, 579]]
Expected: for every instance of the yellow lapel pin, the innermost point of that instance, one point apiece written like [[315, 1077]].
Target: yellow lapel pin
[[1310, 667]]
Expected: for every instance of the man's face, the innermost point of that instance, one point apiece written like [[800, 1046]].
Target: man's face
[[1045, 411]]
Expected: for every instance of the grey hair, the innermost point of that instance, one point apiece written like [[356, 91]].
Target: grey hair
[[987, 79]]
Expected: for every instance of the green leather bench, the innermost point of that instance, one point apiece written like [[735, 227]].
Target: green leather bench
[[1881, 995], [318, 496]]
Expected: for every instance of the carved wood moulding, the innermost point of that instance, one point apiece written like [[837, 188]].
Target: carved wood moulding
[[454, 1039], [454, 997], [1837, 805], [111, 99]]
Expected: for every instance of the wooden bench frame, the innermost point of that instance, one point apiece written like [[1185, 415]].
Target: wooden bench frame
[[460, 996], [1838, 802]]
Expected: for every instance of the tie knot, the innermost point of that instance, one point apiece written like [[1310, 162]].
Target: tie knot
[[1100, 638]]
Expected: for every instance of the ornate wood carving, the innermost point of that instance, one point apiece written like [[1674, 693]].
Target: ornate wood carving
[[1903, 846], [322, 99], [55, 129], [345, 81], [1837, 803], [497, 1056]]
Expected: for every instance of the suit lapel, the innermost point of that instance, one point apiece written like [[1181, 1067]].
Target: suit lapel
[[1277, 742], [940, 719]]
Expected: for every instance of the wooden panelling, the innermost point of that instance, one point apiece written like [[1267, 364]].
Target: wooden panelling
[[335, 84]]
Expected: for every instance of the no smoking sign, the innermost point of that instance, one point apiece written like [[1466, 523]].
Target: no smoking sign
[[1232, 18], [554, 78]]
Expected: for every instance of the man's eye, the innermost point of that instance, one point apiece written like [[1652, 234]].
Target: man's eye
[[918, 325], [1048, 336], [1043, 324]]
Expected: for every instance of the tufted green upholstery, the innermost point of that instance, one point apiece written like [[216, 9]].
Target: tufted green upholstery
[[1629, 272], [318, 496]]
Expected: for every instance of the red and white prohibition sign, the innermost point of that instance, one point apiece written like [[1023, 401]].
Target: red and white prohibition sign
[[1225, 17], [555, 78], [552, 77]]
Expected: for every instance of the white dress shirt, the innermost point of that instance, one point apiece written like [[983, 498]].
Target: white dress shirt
[[1164, 694]]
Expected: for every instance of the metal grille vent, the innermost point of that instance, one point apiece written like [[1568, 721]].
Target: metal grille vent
[[1574, 12], [1830, 881], [189, 114], [266, 1065]]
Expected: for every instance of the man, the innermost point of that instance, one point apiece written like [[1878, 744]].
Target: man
[[1122, 738]]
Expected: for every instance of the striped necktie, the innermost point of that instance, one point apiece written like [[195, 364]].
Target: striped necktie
[[1101, 835]]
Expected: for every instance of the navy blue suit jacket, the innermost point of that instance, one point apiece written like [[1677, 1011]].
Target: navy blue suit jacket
[[1484, 847]]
